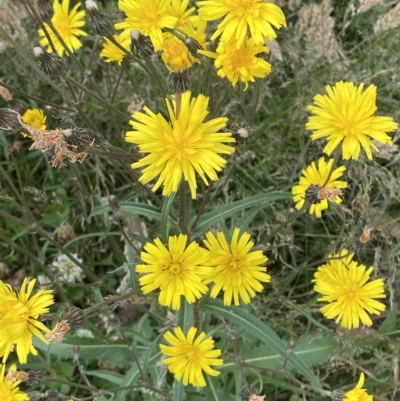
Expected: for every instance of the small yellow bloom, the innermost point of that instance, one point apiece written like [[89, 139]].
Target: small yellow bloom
[[346, 114], [113, 53], [147, 17], [176, 270], [190, 356], [237, 270], [175, 54], [68, 24], [358, 393], [18, 319], [345, 285], [9, 390], [182, 147], [314, 175], [35, 118], [240, 63], [242, 16]]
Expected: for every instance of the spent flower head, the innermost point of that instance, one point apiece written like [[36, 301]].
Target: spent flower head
[[67, 23], [238, 271], [182, 147], [19, 312], [69, 270], [175, 270], [189, 356], [348, 290], [256, 17], [316, 177], [9, 390], [346, 115]]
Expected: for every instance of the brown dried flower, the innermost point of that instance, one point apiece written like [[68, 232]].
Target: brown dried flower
[[57, 334]]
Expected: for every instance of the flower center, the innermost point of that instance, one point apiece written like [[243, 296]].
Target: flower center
[[234, 264], [175, 267], [63, 26]]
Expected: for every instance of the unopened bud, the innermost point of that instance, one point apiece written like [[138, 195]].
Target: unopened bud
[[51, 395], [113, 202], [35, 377], [179, 82], [50, 63], [45, 9], [141, 46], [34, 395], [193, 46], [99, 22]]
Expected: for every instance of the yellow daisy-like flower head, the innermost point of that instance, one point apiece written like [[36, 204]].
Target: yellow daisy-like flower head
[[182, 147], [237, 270], [240, 63], [9, 390], [18, 319], [346, 114], [358, 393], [35, 118], [242, 16], [111, 52], [175, 54], [350, 293], [189, 357], [318, 176], [179, 10], [147, 17], [176, 270], [68, 24]]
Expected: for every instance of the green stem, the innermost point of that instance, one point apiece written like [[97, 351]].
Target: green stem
[[203, 206], [183, 208]]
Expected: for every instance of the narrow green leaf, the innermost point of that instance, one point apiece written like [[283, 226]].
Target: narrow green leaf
[[131, 207], [165, 216], [186, 316], [131, 378], [222, 212], [178, 391], [213, 390], [389, 324], [257, 328], [112, 377]]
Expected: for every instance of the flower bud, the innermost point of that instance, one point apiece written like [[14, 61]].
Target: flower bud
[[99, 22], [9, 122], [141, 46], [45, 9], [50, 63]]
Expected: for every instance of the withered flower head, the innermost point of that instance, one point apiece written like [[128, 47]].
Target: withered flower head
[[50, 63], [99, 22], [9, 121], [141, 46], [57, 334], [241, 132], [179, 82], [75, 317]]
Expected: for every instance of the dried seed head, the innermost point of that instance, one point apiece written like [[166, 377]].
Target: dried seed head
[[50, 63], [179, 82], [9, 121], [193, 46], [337, 395], [248, 392], [75, 317], [141, 46], [35, 377], [65, 233], [45, 9], [366, 235], [99, 22], [241, 132], [13, 375], [57, 334], [329, 193]]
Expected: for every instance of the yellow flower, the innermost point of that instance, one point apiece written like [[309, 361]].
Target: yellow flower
[[237, 271], [242, 16], [190, 356], [175, 270], [358, 393], [67, 25], [242, 63], [347, 114], [317, 176], [18, 319], [344, 286], [175, 54], [9, 390], [35, 118], [111, 52], [147, 17], [182, 147], [179, 10]]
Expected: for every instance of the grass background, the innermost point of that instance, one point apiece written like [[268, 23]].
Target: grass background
[[325, 42]]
